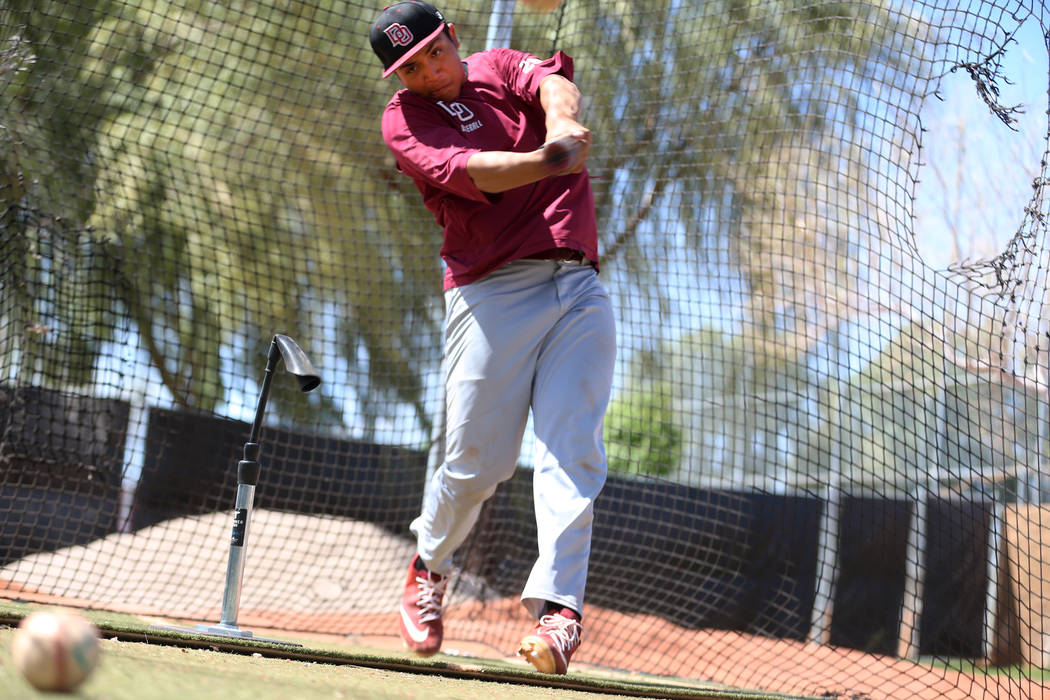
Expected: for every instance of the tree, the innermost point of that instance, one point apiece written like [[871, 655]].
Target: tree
[[220, 197], [235, 148], [641, 432]]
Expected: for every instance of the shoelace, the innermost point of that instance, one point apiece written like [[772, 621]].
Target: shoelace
[[430, 595], [563, 631]]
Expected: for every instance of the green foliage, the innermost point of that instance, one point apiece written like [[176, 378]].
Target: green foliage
[[213, 173], [690, 103], [641, 434], [222, 167]]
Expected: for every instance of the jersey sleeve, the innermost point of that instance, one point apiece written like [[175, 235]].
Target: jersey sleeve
[[523, 72], [427, 147]]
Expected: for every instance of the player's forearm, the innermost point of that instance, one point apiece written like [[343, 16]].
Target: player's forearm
[[499, 171], [561, 103]]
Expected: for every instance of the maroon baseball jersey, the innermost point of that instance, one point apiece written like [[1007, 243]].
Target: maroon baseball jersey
[[498, 109]]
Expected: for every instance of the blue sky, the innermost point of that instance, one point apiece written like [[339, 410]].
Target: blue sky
[[978, 173]]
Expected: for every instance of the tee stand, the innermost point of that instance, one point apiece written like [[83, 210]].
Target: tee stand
[[297, 364]]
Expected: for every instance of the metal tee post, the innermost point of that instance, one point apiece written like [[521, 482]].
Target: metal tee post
[[297, 364]]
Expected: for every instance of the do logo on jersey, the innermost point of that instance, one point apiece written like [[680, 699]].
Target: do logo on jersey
[[458, 110], [464, 114], [399, 34]]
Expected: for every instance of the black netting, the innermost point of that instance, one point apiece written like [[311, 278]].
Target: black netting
[[827, 449]]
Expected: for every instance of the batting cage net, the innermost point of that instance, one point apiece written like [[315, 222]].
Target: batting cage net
[[824, 226]]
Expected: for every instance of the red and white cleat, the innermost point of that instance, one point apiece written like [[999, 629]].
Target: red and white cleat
[[421, 626], [553, 641]]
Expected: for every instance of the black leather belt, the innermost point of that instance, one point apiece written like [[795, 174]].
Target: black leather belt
[[560, 254]]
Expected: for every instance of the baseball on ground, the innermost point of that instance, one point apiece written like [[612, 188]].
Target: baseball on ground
[[55, 649]]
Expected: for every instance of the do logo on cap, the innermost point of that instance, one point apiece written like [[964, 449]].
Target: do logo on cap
[[402, 29], [399, 34]]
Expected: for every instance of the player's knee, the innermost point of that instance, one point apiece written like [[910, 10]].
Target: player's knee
[[472, 485]]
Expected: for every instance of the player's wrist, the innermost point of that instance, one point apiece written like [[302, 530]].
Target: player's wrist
[[564, 154]]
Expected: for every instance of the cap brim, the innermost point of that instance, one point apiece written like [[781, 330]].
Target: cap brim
[[414, 50]]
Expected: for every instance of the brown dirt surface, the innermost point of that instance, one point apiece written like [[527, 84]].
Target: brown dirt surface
[[350, 594]]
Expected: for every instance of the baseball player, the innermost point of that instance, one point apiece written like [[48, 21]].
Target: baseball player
[[495, 147]]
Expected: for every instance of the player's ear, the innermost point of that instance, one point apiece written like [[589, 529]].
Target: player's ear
[[452, 34]]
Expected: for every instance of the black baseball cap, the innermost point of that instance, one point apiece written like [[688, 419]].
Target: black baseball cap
[[403, 29]]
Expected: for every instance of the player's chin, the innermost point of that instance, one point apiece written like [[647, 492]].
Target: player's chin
[[444, 92]]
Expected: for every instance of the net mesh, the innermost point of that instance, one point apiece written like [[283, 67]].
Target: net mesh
[[829, 424]]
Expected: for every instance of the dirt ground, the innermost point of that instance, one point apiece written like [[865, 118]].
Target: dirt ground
[[183, 584]]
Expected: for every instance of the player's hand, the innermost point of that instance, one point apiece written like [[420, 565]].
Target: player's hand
[[566, 153]]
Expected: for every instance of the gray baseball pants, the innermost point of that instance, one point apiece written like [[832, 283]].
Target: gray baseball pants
[[532, 334]]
